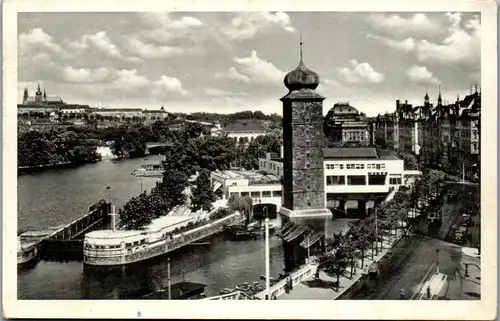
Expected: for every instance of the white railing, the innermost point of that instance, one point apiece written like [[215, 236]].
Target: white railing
[[296, 277]]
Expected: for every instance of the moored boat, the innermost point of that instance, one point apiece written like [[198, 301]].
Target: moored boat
[[27, 253], [149, 170]]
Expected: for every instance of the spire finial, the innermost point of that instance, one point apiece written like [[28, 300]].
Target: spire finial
[[300, 43]]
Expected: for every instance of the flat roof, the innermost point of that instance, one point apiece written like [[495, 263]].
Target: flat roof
[[389, 157], [350, 153], [252, 176]]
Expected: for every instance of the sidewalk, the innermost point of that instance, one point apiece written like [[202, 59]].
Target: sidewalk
[[324, 288]]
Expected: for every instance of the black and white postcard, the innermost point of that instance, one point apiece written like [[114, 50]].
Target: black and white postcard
[[287, 151]]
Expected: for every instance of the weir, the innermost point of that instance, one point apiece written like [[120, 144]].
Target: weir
[[63, 241]]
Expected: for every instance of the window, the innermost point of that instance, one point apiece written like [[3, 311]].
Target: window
[[308, 203], [376, 179], [335, 180], [244, 193], [395, 180], [350, 166], [356, 180], [380, 166], [360, 166], [255, 194], [266, 193], [276, 193]]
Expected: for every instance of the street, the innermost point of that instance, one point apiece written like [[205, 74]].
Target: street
[[414, 261]]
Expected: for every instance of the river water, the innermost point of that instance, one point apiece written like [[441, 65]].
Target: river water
[[59, 196]]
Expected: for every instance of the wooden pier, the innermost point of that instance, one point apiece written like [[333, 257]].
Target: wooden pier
[[66, 239]]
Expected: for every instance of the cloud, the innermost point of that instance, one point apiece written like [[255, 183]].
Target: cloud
[[151, 51], [255, 70], [394, 23], [461, 45], [233, 74], [246, 25], [168, 85], [420, 74], [37, 39], [406, 45], [99, 41], [223, 93], [85, 75], [360, 73]]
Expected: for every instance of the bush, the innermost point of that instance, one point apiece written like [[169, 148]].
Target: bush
[[220, 213]]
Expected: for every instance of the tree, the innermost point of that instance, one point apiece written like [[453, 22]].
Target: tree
[[242, 204], [332, 263], [172, 186], [364, 238], [203, 194], [136, 214]]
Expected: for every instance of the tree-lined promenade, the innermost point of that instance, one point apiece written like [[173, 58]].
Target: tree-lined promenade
[[384, 220]]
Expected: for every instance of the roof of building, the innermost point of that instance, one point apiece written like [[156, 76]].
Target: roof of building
[[389, 156], [245, 126], [254, 177], [75, 106], [118, 110], [350, 153], [343, 109], [301, 77], [51, 99]]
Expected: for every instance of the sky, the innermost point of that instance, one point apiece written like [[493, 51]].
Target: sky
[[233, 61]]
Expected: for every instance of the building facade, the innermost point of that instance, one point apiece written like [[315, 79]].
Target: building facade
[[357, 174], [445, 136], [344, 124]]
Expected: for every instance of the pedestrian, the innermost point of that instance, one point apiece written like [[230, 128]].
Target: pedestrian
[[402, 294], [428, 291]]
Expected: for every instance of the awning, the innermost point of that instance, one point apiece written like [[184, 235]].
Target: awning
[[284, 229], [217, 185], [295, 233], [311, 239]]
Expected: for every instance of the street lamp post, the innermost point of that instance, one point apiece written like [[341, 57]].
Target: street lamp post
[[169, 281], [376, 231], [267, 254], [437, 261]]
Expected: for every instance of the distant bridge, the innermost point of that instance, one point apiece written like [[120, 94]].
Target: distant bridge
[[157, 147]]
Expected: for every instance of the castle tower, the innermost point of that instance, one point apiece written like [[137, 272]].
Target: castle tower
[[426, 98], [25, 95], [38, 96], [440, 100], [303, 142]]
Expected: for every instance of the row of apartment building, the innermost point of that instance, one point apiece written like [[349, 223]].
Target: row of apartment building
[[443, 136]]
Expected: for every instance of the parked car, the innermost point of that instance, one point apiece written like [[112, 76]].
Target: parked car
[[373, 270], [466, 220]]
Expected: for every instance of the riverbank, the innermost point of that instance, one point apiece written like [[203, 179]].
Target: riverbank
[[23, 170]]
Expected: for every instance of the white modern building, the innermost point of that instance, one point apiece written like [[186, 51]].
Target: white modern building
[[261, 188], [353, 174]]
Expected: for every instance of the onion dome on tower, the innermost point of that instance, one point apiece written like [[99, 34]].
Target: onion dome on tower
[[301, 77]]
